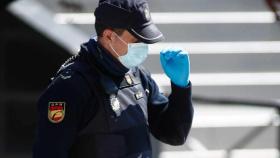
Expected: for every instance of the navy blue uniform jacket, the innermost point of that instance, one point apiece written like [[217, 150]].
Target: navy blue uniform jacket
[[71, 121]]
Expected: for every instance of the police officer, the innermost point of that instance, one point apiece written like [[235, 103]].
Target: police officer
[[102, 104]]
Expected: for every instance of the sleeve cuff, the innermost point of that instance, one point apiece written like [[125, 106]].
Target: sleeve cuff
[[176, 87]]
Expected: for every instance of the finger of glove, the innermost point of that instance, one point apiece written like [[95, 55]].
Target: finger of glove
[[183, 56], [178, 50], [167, 50], [164, 66], [183, 60], [169, 55]]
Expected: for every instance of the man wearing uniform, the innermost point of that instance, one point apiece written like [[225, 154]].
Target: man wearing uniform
[[102, 104]]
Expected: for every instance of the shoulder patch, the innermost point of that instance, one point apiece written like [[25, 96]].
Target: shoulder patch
[[56, 111]]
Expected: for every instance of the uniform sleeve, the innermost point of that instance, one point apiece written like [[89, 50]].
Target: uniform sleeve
[[59, 116], [170, 119]]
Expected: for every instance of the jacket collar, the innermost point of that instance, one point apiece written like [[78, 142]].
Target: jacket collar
[[102, 59]]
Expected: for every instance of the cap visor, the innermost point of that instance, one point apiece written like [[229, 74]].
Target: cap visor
[[149, 34]]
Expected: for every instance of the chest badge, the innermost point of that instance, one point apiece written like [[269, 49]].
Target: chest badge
[[115, 104], [138, 95], [128, 79], [56, 111]]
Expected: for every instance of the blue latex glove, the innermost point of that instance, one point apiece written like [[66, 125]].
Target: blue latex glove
[[176, 65]]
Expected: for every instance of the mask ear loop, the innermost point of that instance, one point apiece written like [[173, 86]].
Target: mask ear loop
[[121, 39], [112, 46], [114, 50]]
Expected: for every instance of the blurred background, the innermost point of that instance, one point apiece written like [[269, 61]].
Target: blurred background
[[234, 48]]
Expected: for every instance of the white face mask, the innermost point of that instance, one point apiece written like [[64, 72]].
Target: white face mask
[[136, 54]]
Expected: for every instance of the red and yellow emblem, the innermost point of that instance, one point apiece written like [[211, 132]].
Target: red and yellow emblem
[[56, 111]]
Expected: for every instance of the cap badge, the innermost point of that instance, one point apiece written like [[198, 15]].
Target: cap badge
[[147, 13]]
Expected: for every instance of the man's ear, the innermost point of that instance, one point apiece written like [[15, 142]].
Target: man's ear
[[108, 35]]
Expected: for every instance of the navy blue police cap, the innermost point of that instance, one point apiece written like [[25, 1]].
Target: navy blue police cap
[[132, 15]]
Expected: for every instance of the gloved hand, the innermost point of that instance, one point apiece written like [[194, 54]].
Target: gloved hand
[[176, 65]]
